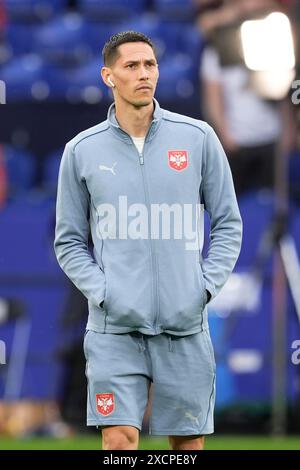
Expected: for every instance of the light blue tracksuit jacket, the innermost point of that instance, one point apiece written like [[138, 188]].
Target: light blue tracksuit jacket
[[149, 284]]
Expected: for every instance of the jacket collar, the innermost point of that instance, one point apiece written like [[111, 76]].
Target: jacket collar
[[115, 127]]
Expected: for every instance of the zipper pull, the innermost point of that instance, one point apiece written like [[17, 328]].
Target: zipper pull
[[141, 159]]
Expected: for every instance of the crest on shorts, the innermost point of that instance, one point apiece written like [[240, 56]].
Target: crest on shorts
[[178, 159], [105, 403]]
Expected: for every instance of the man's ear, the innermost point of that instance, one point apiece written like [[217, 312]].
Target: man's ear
[[105, 73]]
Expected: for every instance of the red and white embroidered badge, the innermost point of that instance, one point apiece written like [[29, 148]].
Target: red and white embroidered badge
[[105, 403], [178, 159]]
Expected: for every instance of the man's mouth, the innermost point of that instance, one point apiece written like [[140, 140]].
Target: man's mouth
[[145, 87]]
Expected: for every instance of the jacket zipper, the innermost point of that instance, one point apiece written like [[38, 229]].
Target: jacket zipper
[[152, 248]]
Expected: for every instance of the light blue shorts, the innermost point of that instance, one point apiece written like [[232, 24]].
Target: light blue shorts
[[121, 367]]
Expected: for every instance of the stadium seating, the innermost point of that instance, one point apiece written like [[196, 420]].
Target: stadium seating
[[50, 60], [50, 174], [77, 84], [111, 9], [176, 78], [63, 40], [179, 9], [34, 9], [25, 78], [99, 32], [88, 85], [20, 166], [20, 37]]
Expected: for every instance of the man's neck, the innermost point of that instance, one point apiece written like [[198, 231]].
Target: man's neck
[[135, 121]]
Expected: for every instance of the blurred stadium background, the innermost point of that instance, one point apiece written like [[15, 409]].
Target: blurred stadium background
[[50, 57]]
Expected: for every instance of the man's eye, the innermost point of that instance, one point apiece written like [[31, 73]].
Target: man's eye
[[130, 66]]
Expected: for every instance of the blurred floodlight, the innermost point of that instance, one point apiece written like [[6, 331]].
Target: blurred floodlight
[[269, 52], [268, 43], [273, 86]]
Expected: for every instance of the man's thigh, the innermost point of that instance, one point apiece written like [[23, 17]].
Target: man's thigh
[[118, 379], [183, 385]]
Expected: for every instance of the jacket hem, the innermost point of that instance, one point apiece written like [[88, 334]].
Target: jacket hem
[[146, 331], [178, 432], [117, 422]]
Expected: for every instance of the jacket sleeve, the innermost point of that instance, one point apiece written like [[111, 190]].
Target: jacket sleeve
[[72, 231], [220, 202]]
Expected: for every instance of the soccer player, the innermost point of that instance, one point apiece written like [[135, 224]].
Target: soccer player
[[134, 181]]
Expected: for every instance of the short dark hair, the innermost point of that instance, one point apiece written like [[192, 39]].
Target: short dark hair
[[110, 49]]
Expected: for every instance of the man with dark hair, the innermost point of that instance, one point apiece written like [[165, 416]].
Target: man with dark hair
[[110, 50], [136, 181]]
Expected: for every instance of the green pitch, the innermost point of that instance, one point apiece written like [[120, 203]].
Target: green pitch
[[212, 443]]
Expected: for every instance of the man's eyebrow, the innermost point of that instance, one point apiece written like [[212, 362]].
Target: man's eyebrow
[[135, 62]]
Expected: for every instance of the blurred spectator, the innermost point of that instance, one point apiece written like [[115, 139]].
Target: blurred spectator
[[214, 14], [249, 126]]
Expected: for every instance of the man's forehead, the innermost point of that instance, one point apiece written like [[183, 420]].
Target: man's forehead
[[135, 51]]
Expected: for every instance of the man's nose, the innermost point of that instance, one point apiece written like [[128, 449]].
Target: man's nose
[[144, 75]]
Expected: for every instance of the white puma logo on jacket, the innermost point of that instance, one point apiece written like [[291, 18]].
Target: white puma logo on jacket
[[107, 168]]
